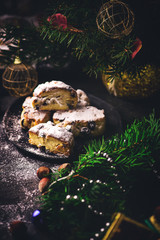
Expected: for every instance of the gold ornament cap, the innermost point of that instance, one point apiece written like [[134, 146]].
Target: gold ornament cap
[[17, 60]]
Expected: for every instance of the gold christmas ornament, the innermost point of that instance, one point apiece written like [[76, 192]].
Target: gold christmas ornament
[[142, 84], [19, 79], [115, 19]]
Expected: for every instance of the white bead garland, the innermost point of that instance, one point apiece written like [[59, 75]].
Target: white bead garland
[[98, 181], [101, 231], [107, 224], [75, 197], [91, 181], [68, 196], [113, 167]]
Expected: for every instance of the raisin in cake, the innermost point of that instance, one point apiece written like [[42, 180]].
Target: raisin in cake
[[54, 95], [84, 120], [54, 138], [83, 99], [31, 117]]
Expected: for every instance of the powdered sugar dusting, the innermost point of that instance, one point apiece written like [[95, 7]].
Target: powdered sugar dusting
[[88, 113], [83, 99], [27, 102], [18, 184], [32, 113], [35, 114], [49, 129], [19, 137], [47, 86]]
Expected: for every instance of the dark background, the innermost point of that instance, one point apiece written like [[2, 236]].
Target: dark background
[[17, 192], [147, 19]]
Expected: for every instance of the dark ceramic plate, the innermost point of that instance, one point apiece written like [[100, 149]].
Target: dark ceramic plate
[[19, 137]]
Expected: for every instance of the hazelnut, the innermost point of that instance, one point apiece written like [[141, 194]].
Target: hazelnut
[[43, 184], [64, 166], [18, 228], [43, 172]]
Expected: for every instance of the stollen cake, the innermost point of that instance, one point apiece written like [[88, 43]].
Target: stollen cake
[[83, 99], [54, 95], [55, 139], [31, 117], [86, 120]]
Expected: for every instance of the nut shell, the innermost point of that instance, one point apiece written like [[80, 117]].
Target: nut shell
[[64, 166], [43, 184], [18, 228], [43, 172]]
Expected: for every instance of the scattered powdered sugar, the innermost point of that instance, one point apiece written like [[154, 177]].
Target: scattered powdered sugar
[[49, 129], [88, 113], [18, 184], [47, 86]]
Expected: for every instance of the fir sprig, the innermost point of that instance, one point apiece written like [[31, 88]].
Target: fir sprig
[[100, 181], [91, 46], [26, 42], [46, 43], [99, 51]]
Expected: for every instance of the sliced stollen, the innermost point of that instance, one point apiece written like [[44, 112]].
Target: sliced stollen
[[54, 95], [86, 120], [83, 99], [31, 117], [54, 138]]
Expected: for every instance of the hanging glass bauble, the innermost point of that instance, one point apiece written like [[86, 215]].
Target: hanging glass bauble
[[19, 79], [138, 85], [115, 19]]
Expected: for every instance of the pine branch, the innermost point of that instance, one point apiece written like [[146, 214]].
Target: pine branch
[[99, 51], [32, 48], [92, 47], [97, 185]]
